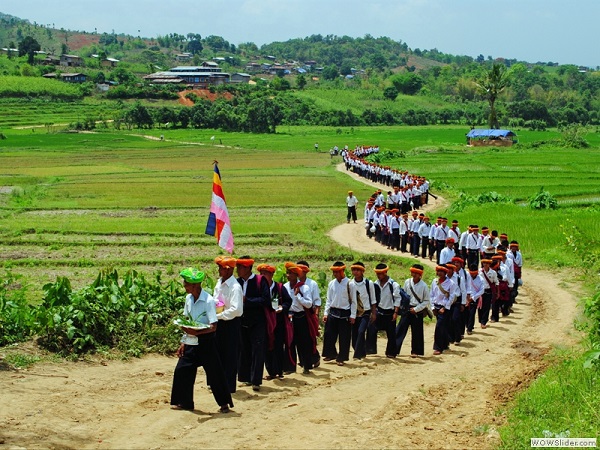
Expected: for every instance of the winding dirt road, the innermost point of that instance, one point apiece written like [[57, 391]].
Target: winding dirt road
[[447, 401]]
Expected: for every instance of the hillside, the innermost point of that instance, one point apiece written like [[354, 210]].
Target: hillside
[[343, 52]]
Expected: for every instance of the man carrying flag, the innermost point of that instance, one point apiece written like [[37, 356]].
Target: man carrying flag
[[218, 220]]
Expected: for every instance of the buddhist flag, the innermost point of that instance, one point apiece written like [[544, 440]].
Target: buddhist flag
[[218, 220]]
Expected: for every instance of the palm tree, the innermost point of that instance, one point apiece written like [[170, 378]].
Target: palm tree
[[490, 86]]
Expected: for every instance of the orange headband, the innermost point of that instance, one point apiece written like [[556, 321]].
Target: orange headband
[[356, 266], [382, 270], [245, 262], [291, 267], [266, 267], [415, 270], [304, 268], [338, 268], [225, 261]]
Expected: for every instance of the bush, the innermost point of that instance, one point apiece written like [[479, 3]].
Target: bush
[[573, 136], [536, 125], [16, 318], [465, 200], [134, 316], [543, 200]]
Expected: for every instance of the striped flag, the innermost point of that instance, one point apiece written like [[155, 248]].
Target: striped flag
[[218, 220]]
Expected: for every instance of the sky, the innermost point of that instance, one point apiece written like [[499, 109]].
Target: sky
[[561, 31]]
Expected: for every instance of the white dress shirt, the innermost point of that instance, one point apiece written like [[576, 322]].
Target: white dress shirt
[[300, 301], [440, 299], [422, 291], [339, 295], [387, 299], [231, 294]]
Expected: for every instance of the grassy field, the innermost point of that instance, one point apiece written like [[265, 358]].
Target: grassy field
[[359, 100], [65, 196]]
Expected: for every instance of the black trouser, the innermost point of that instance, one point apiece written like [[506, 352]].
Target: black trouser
[[471, 319], [359, 331], [416, 244], [439, 246], [424, 246], [274, 358], [204, 354], [486, 303], [416, 201], [335, 327], [252, 353], [403, 242], [228, 344], [395, 240], [371, 341], [440, 336], [456, 322], [386, 322], [415, 322], [351, 213], [302, 340]]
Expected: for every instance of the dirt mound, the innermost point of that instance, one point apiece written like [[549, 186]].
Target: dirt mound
[[202, 93]]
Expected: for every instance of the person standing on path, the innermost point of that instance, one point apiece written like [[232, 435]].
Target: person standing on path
[[351, 202]]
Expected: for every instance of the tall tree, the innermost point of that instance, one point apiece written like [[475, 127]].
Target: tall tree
[[490, 85], [28, 46]]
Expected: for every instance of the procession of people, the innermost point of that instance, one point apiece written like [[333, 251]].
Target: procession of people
[[255, 328]]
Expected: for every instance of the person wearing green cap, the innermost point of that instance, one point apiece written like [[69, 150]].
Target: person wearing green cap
[[198, 347]]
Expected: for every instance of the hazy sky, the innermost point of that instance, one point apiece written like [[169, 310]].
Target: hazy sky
[[560, 31]]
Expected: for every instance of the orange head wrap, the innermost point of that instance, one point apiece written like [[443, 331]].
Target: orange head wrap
[[415, 270], [226, 261], [304, 268], [382, 270], [245, 262], [291, 267], [338, 267], [266, 267]]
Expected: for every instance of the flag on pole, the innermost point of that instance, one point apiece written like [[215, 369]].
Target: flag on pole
[[218, 220]]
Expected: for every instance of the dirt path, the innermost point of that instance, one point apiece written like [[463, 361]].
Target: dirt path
[[428, 402]]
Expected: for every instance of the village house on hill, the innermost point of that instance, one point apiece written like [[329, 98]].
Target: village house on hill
[[67, 77], [200, 77]]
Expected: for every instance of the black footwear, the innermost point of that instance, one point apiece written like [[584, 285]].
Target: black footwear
[[224, 409], [255, 387]]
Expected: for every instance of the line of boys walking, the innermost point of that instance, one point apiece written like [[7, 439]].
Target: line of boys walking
[[254, 323]]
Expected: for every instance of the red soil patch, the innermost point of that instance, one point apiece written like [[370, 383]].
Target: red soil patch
[[77, 40], [202, 93]]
